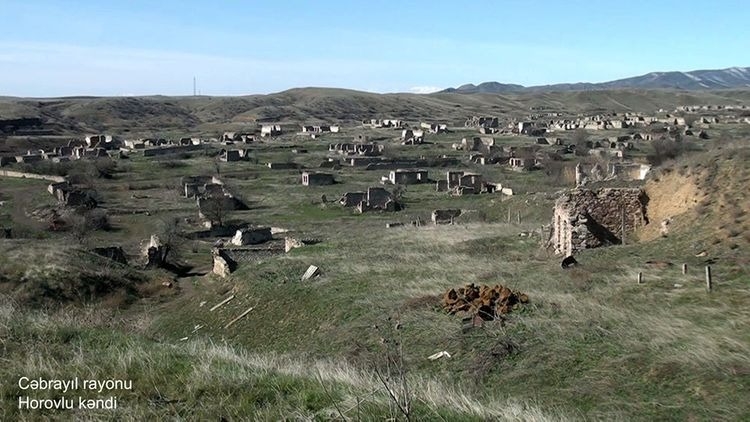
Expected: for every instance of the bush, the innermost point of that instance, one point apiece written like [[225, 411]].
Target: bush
[[80, 225], [580, 140], [171, 164], [105, 168], [664, 149]]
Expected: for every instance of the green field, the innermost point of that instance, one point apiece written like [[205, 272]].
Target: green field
[[353, 344]]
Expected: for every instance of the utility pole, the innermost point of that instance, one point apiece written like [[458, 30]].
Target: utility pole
[[194, 86]]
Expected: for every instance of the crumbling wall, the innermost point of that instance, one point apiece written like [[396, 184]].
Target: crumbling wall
[[223, 264], [10, 173], [585, 218]]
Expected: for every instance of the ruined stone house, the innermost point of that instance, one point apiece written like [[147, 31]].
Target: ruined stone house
[[189, 141], [482, 122], [29, 158], [282, 165], [232, 155], [407, 177], [316, 179], [71, 196], [243, 137], [604, 153], [270, 130], [376, 198], [380, 123], [521, 163], [585, 218], [193, 186], [472, 180], [462, 183], [434, 127], [103, 141], [475, 144], [363, 149], [316, 128], [409, 136]]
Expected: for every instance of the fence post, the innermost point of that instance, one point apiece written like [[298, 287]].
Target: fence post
[[709, 283], [684, 269], [640, 277]]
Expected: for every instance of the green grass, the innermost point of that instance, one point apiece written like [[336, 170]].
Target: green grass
[[591, 344]]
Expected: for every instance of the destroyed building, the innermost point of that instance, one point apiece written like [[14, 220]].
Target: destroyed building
[[270, 130], [375, 198], [596, 172], [232, 155], [585, 218], [316, 179], [407, 177]]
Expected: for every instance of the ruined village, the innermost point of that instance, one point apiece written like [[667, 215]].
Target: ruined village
[[335, 235], [598, 162]]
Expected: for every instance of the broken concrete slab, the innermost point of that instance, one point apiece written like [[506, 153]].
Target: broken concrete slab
[[252, 236], [312, 271]]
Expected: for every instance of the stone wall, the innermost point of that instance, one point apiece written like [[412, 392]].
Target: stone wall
[[9, 173], [152, 152], [585, 218]]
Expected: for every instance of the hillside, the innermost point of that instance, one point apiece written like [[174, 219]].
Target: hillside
[[150, 116], [731, 78]]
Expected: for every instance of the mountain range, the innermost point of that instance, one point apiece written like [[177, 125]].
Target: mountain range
[[731, 78]]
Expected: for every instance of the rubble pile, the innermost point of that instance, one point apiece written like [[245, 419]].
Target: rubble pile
[[486, 302]]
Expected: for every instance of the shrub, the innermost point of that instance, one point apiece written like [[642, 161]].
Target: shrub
[[664, 149]]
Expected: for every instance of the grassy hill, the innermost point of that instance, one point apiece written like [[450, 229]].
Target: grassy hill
[[146, 116]]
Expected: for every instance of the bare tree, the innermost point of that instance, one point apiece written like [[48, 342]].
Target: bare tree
[[171, 237], [393, 376], [81, 225], [580, 140], [215, 209]]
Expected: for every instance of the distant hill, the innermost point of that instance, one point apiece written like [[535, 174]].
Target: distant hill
[[208, 116], [486, 88], [732, 78]]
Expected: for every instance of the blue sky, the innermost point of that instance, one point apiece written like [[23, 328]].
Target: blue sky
[[56, 48]]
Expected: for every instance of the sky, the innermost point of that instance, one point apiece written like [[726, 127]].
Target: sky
[[139, 47]]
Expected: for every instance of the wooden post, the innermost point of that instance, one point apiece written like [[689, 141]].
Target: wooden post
[[684, 269], [640, 277], [622, 224], [218, 305], [229, 324], [709, 284]]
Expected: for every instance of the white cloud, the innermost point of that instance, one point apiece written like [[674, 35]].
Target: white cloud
[[424, 89]]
